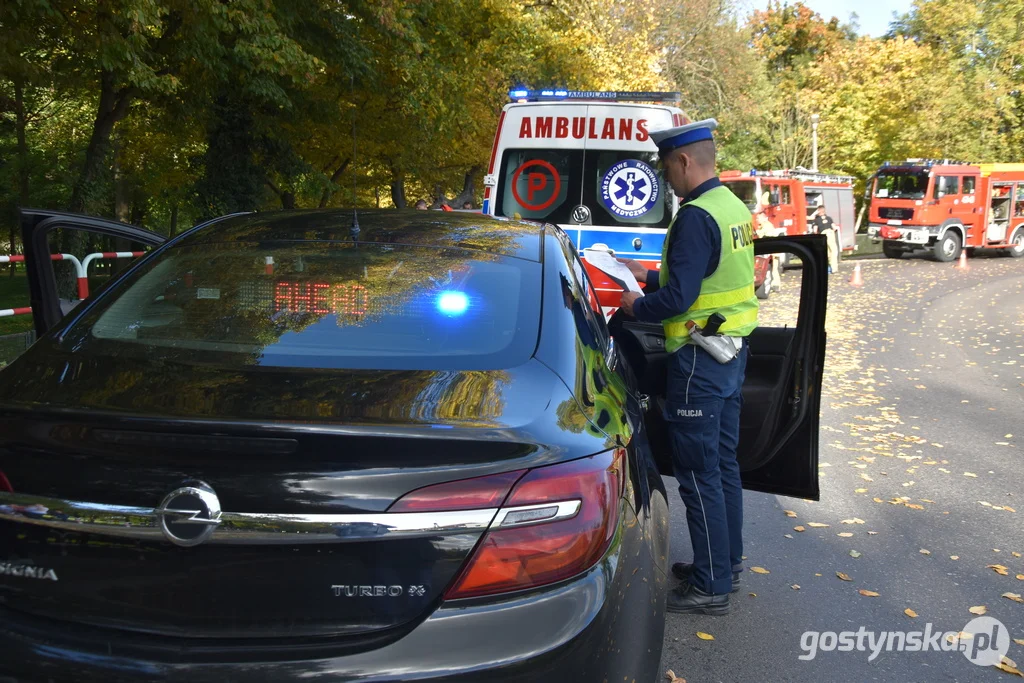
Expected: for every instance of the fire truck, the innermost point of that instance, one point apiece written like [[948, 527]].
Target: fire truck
[[585, 161], [793, 197], [946, 207]]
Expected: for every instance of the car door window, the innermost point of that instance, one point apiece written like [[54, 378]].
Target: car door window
[[946, 185]]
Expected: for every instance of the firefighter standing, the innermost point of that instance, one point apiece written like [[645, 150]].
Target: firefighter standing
[[824, 225], [707, 267]]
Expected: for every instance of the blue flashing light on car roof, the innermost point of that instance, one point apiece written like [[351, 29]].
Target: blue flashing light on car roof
[[452, 303], [617, 96]]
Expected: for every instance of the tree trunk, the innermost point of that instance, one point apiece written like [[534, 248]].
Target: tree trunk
[[121, 207], [468, 189], [439, 198], [112, 108], [21, 122], [335, 177], [174, 220], [398, 189]]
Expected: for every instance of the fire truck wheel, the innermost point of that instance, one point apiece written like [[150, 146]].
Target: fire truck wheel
[[892, 251], [947, 249], [1017, 250]]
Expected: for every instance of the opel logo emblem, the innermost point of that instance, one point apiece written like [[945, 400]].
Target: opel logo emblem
[[189, 515], [581, 214]]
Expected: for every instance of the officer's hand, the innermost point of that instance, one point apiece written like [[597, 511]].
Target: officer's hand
[[638, 269], [626, 305]]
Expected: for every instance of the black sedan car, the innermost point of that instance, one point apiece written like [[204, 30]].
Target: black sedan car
[[279, 448]]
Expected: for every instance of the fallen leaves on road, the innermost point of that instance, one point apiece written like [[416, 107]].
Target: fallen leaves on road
[[855, 520], [1019, 641], [759, 570], [671, 677], [790, 513], [998, 569], [954, 557], [910, 613], [795, 586], [868, 594], [1013, 596], [970, 474], [844, 577], [1020, 577], [817, 525], [753, 595], [705, 636], [1009, 666], [924, 551], [854, 554], [844, 534], [799, 528], [978, 610]]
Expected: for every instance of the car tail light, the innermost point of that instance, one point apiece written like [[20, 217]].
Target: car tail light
[[464, 494], [557, 522]]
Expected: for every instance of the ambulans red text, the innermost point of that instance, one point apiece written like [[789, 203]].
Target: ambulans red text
[[580, 127]]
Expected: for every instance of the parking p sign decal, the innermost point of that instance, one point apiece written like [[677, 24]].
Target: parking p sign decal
[[543, 185]]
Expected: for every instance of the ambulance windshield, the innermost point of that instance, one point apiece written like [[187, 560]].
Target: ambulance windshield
[[617, 188], [902, 184]]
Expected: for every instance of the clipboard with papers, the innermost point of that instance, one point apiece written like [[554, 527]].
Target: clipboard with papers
[[603, 260]]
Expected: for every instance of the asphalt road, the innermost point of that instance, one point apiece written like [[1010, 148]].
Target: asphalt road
[[922, 440]]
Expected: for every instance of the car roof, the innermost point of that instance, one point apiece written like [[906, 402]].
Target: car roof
[[440, 229]]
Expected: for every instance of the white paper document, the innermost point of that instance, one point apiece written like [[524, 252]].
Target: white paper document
[[611, 267]]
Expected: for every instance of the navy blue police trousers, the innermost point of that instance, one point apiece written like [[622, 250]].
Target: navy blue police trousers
[[702, 407]]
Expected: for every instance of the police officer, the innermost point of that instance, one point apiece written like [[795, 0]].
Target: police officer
[[707, 266]]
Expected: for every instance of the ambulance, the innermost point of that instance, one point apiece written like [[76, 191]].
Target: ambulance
[[586, 162]]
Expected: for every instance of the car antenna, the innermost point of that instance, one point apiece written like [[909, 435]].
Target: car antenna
[[354, 230]]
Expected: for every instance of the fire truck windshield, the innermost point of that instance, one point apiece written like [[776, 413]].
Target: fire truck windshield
[[902, 184], [746, 190], [620, 188]]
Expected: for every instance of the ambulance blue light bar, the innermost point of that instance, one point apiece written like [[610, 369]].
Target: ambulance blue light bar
[[523, 95]]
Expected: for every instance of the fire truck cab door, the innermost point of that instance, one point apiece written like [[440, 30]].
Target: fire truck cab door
[[46, 234], [778, 446]]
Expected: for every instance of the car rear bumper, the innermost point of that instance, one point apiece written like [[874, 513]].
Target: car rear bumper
[[603, 625]]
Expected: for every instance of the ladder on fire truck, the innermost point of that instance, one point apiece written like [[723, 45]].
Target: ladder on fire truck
[[808, 175]]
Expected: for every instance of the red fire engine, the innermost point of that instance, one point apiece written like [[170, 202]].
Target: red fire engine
[[946, 207], [794, 195]]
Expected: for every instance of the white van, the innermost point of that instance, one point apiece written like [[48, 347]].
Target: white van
[[585, 161]]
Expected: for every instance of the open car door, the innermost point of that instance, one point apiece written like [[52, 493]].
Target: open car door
[[68, 257], [778, 448]]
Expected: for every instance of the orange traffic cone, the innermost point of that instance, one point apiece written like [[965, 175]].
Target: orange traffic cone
[[856, 280], [962, 263]]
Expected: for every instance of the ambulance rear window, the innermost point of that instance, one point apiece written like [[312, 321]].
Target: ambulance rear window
[[618, 188]]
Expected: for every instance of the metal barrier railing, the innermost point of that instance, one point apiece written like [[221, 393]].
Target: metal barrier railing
[[81, 270]]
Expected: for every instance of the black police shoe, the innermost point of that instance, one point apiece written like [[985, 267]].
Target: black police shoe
[[687, 599], [683, 571]]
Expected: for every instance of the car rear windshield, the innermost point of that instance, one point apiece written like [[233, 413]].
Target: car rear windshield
[[321, 305], [901, 184], [617, 188]]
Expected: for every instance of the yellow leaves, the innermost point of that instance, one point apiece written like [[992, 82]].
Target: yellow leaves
[[705, 636], [925, 551], [855, 520], [998, 569], [970, 474], [1019, 577], [1019, 641], [954, 557], [1009, 668], [759, 570], [843, 577], [854, 554], [860, 490], [1013, 596], [844, 534], [799, 528], [795, 586], [671, 677], [790, 513], [910, 613], [978, 610], [817, 525], [868, 594]]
